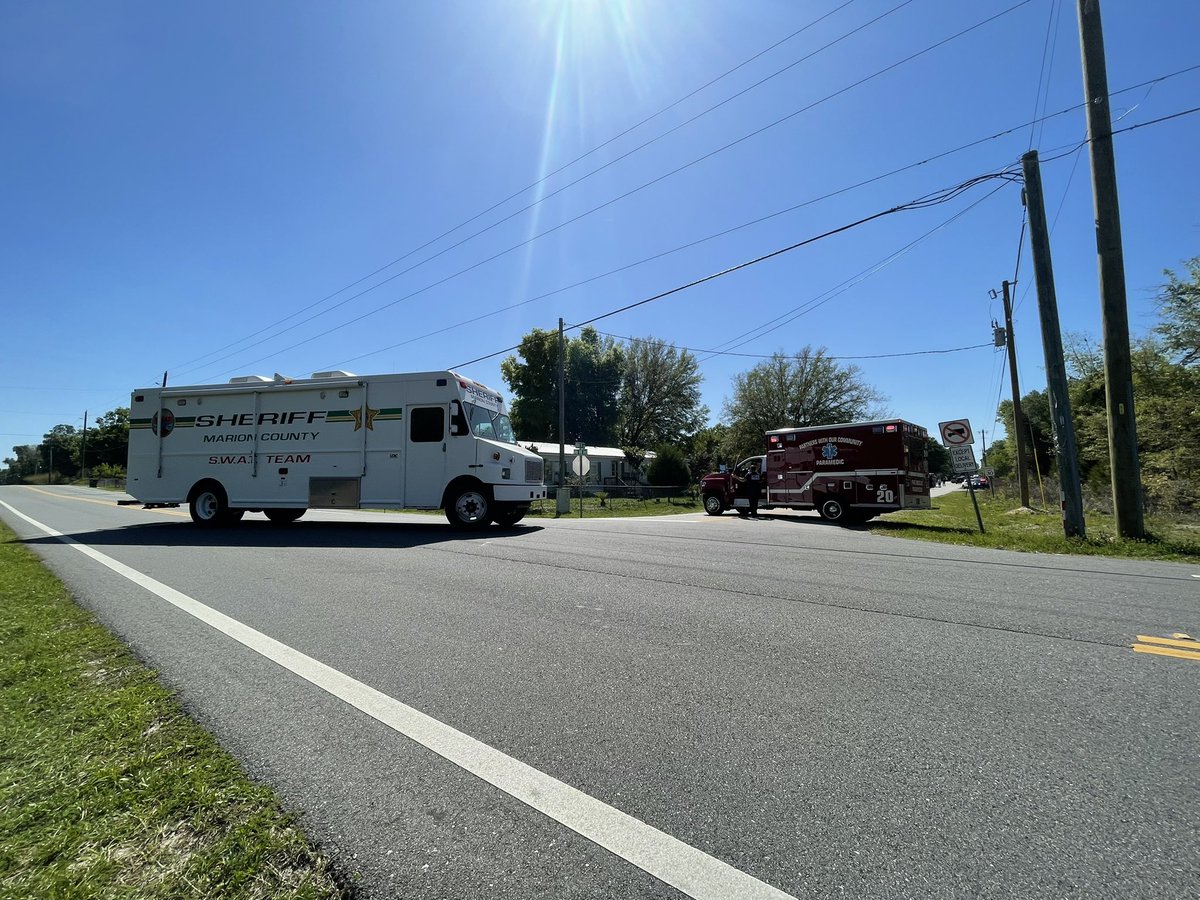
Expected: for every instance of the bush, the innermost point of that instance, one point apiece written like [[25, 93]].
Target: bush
[[670, 468]]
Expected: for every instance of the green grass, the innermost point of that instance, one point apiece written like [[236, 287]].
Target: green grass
[[106, 788], [616, 508], [952, 521]]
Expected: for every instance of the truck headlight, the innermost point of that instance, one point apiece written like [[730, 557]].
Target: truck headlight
[[506, 473]]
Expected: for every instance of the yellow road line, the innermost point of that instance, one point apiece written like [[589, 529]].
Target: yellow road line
[[1168, 642], [109, 503], [1166, 651]]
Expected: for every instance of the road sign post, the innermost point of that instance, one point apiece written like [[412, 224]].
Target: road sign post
[[581, 465], [958, 438]]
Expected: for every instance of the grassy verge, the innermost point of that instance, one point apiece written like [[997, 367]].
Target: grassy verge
[[106, 788], [952, 521], [618, 507]]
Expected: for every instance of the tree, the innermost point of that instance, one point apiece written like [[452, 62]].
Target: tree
[[998, 455], [1039, 430], [108, 444], [939, 457], [533, 380], [808, 388], [23, 463], [706, 449], [592, 381], [60, 445], [1179, 308], [1168, 419], [669, 468], [660, 395]]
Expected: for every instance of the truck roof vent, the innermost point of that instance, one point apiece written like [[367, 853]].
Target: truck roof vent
[[335, 373], [250, 379]]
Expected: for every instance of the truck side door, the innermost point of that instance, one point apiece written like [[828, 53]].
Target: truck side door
[[424, 456], [797, 470]]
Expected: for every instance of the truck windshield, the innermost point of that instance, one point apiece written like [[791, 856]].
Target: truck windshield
[[487, 423]]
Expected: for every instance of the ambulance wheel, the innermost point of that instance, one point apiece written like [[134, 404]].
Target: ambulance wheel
[[209, 505], [714, 505], [510, 515], [284, 516], [468, 506], [833, 511]]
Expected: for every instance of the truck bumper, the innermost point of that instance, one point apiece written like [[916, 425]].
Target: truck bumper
[[518, 493]]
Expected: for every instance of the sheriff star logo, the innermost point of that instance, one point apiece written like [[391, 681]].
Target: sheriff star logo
[[358, 418]]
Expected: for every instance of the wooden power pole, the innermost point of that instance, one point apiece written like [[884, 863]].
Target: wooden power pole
[[1118, 372], [1018, 434], [562, 407], [1065, 452]]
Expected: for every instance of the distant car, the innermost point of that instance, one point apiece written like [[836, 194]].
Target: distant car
[[979, 481]]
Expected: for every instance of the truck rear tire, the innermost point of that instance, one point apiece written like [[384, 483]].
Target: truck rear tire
[[509, 515], [714, 505], [284, 516], [469, 506], [209, 506], [834, 511]]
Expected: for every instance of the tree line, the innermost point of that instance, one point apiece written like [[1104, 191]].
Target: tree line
[[65, 450], [1166, 388], [646, 396]]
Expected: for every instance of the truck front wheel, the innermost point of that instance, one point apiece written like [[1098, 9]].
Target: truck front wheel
[[209, 506], [714, 505], [468, 506]]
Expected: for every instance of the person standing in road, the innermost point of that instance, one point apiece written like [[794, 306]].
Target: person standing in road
[[754, 485], [750, 483]]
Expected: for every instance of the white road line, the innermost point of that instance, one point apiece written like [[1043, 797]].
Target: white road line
[[668, 859]]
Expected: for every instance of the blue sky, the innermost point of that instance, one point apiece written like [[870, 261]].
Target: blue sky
[[195, 187]]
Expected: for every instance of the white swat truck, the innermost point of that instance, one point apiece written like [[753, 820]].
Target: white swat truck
[[430, 440]]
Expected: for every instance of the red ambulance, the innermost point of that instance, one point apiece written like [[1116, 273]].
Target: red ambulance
[[848, 473]]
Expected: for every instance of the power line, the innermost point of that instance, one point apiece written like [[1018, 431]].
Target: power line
[[693, 350], [633, 191], [794, 313], [566, 166], [931, 199], [1044, 71], [686, 246], [1151, 82], [871, 270]]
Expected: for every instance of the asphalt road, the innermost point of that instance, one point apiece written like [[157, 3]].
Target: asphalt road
[[726, 704]]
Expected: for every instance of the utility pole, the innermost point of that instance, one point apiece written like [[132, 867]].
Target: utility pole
[[83, 448], [562, 410], [1065, 452], [1018, 434], [1118, 372]]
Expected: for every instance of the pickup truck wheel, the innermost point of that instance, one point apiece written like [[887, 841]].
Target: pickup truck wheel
[[469, 508], [833, 511], [714, 505], [284, 516]]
